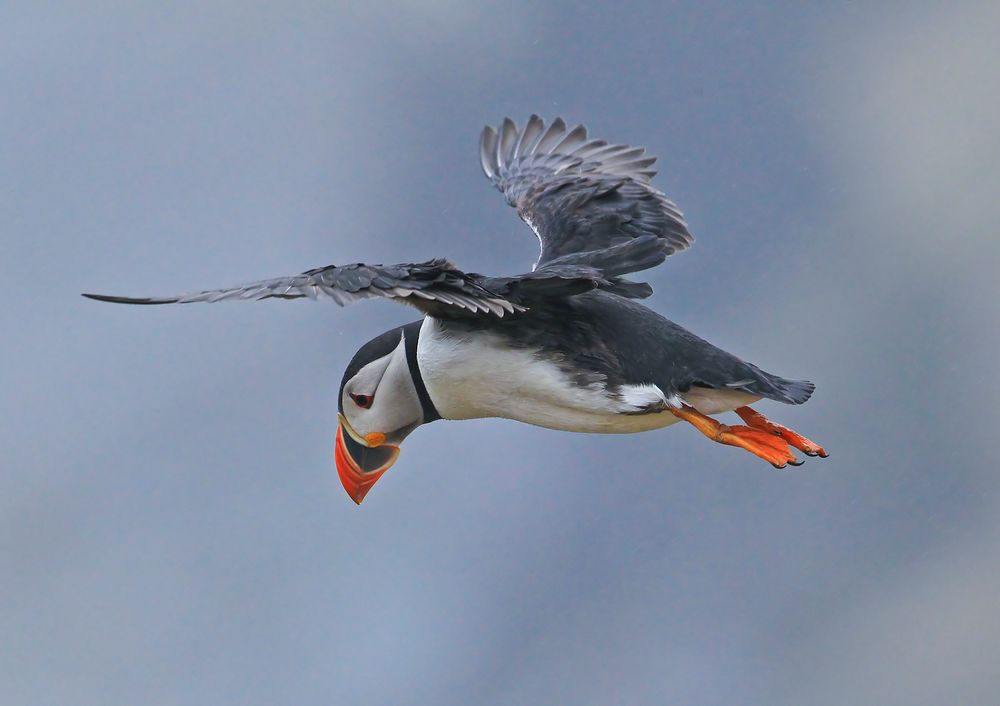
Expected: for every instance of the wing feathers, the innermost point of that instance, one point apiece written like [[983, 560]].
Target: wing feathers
[[508, 138], [435, 287], [582, 196], [488, 150], [529, 136], [573, 139], [585, 150], [589, 202], [548, 140]]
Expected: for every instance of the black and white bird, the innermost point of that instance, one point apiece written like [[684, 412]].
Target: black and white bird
[[566, 346]]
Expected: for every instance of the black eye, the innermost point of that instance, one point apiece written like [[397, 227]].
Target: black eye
[[363, 401]]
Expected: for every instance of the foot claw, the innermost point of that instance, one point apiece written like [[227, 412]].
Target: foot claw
[[795, 463]]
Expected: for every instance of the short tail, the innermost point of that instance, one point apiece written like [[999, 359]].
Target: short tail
[[777, 388], [795, 391], [781, 390]]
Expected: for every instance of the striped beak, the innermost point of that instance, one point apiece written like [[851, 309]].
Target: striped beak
[[361, 462]]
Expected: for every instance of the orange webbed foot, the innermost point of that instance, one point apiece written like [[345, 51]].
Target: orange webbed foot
[[760, 444], [763, 444], [757, 420]]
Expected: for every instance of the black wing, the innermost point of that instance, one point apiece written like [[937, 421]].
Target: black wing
[[587, 201], [435, 287]]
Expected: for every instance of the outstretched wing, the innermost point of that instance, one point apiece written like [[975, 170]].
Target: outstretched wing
[[435, 287], [586, 200]]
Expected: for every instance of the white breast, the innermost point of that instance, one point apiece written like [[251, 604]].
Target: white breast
[[473, 375]]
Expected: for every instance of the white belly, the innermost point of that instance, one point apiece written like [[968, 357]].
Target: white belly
[[470, 376]]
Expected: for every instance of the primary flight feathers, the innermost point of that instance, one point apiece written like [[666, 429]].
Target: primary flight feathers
[[590, 203]]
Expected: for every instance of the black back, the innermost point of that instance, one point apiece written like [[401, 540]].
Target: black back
[[599, 336]]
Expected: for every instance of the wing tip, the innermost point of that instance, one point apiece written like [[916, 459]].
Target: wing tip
[[487, 151], [504, 144], [126, 300]]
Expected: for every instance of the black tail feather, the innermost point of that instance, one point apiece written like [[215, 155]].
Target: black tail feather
[[780, 389]]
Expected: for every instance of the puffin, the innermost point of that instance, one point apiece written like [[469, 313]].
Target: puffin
[[567, 346]]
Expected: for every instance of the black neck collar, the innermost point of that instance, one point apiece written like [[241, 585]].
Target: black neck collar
[[411, 335]]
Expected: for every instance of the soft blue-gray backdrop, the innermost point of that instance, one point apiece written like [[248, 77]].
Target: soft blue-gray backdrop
[[172, 530]]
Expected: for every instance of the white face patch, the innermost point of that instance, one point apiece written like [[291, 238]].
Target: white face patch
[[394, 401], [366, 380]]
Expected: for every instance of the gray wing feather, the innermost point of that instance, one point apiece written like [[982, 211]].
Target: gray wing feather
[[435, 287], [584, 199], [487, 151], [529, 136], [550, 137]]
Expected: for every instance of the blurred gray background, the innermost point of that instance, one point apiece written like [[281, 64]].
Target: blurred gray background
[[172, 530]]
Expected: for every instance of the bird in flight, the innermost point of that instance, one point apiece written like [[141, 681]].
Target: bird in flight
[[566, 346]]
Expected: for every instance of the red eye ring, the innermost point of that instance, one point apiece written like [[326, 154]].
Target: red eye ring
[[363, 401]]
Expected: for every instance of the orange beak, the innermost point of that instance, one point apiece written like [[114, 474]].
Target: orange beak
[[361, 462]]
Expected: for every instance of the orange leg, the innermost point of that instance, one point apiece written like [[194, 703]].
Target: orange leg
[[759, 421], [763, 444]]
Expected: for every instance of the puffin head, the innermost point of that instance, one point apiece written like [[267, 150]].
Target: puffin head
[[379, 406]]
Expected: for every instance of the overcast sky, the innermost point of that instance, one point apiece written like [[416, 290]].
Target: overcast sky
[[172, 529]]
